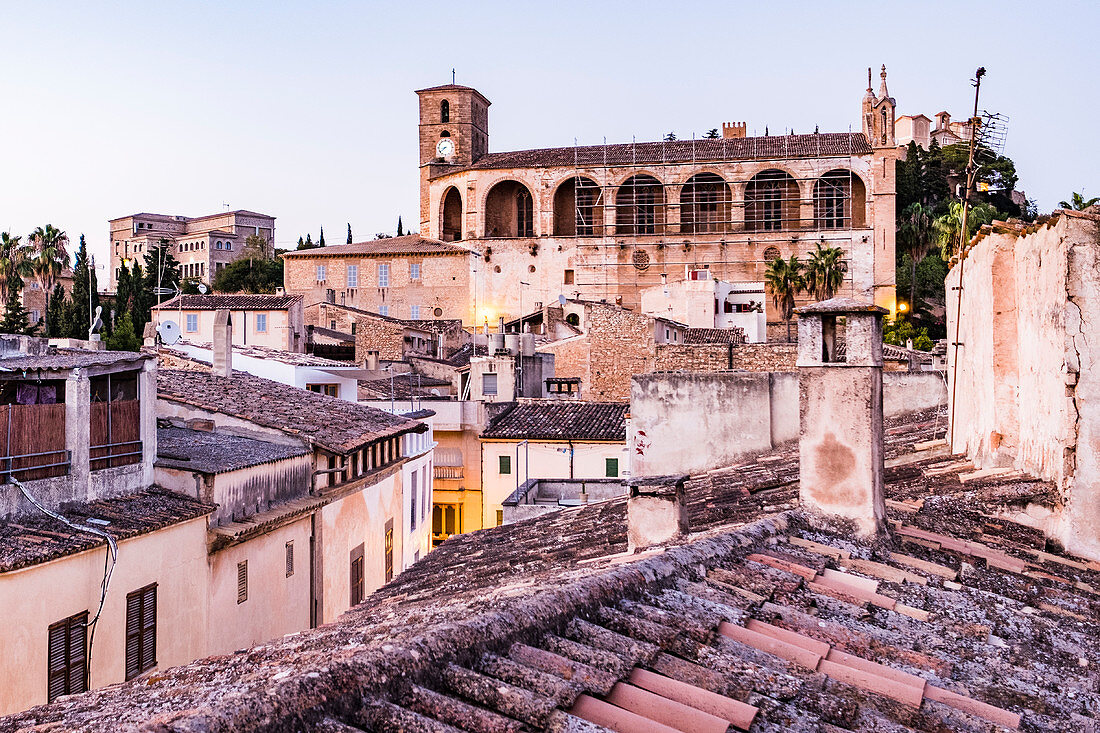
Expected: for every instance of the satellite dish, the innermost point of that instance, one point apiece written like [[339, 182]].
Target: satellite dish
[[202, 289], [169, 332], [561, 299]]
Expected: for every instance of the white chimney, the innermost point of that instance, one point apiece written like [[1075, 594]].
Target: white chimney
[[656, 511], [223, 343]]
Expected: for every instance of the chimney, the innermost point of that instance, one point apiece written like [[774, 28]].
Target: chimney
[[656, 511], [280, 291], [733, 129], [840, 406], [223, 343], [370, 362]]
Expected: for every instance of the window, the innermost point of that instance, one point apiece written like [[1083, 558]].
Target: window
[[388, 546], [357, 589], [383, 275], [412, 498], [326, 389], [771, 202], [640, 206], [500, 517], [509, 211], [383, 310], [67, 667], [489, 384], [261, 323], [505, 464], [321, 273], [290, 558], [229, 245], [114, 421], [141, 630], [219, 244], [242, 581], [611, 467], [353, 276], [414, 312], [444, 111], [414, 271], [332, 326], [446, 521], [569, 277]]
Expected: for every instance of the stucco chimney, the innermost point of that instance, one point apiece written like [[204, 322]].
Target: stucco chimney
[[223, 343], [370, 361], [840, 406], [656, 511]]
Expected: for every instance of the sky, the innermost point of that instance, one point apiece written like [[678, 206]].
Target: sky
[[306, 111]]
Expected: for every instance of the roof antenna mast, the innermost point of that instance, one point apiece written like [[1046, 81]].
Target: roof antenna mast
[[452, 76]]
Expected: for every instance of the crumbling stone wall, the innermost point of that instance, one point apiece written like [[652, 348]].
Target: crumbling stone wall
[[386, 337], [768, 357], [693, 357]]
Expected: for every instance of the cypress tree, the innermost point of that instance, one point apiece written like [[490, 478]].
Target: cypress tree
[[162, 265], [349, 232], [140, 300], [82, 306], [55, 311], [321, 241], [301, 243], [400, 228]]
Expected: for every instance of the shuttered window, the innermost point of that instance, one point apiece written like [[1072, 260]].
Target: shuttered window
[[67, 670], [389, 550], [357, 589], [289, 559], [242, 581], [141, 630]]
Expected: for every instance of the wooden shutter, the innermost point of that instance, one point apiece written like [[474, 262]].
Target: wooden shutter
[[289, 559], [133, 635], [149, 628], [141, 630], [357, 588], [389, 550], [66, 667], [242, 581]]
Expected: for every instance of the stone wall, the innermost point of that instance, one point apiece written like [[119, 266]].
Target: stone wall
[[694, 357], [377, 334], [1027, 389], [768, 357]]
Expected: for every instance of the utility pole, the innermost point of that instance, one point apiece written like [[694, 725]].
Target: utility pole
[[971, 175]]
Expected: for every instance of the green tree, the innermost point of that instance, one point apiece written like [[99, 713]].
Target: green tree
[[85, 295], [670, 137], [301, 243], [15, 316], [124, 337], [1078, 202], [256, 247], [321, 241], [785, 281], [250, 276], [50, 258], [124, 293], [400, 227], [162, 270], [308, 244], [58, 312], [712, 134], [824, 272], [349, 232], [15, 265], [916, 235], [141, 299], [949, 226]]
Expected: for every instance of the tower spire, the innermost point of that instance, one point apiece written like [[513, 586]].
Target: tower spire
[[869, 79], [882, 92]]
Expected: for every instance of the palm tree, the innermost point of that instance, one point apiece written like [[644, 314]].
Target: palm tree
[[784, 279], [14, 264], [916, 234], [50, 257], [825, 272], [948, 226], [1077, 202]]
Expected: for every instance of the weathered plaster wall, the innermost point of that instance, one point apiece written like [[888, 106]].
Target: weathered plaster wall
[[904, 392]]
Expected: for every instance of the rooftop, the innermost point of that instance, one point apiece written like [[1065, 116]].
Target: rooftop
[[402, 386], [714, 336], [405, 245], [256, 351], [204, 451], [558, 420], [762, 618], [329, 422], [61, 359], [35, 539], [776, 147], [236, 301]]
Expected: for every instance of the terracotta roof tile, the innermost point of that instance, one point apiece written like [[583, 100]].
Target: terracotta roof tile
[[231, 301], [410, 244], [553, 420]]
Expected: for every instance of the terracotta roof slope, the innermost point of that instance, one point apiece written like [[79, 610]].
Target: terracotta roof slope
[[830, 144], [231, 301], [734, 336], [408, 244], [561, 420], [331, 423]]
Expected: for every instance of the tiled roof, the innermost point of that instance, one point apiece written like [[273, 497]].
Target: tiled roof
[[402, 386], [35, 539], [714, 336], [256, 351], [761, 618], [409, 244], [204, 451], [236, 301], [329, 422], [328, 333], [58, 359], [557, 420], [829, 144]]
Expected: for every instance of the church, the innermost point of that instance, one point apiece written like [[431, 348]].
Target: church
[[605, 222]]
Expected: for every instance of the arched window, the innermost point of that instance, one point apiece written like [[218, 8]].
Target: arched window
[[704, 205], [450, 213], [444, 111], [509, 211], [640, 206], [771, 254], [578, 208], [840, 200], [229, 245], [771, 202], [445, 133]]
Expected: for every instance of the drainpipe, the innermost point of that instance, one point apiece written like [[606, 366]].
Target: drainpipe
[[570, 459]]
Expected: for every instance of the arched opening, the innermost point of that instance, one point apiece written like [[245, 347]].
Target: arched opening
[[509, 211], [704, 204], [445, 133], [771, 202], [840, 200], [450, 225], [578, 209], [640, 206], [444, 111]]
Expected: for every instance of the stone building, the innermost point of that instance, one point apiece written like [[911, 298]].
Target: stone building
[[406, 277], [605, 221], [203, 245]]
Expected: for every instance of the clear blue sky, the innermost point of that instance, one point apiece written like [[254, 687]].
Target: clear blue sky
[[306, 110]]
